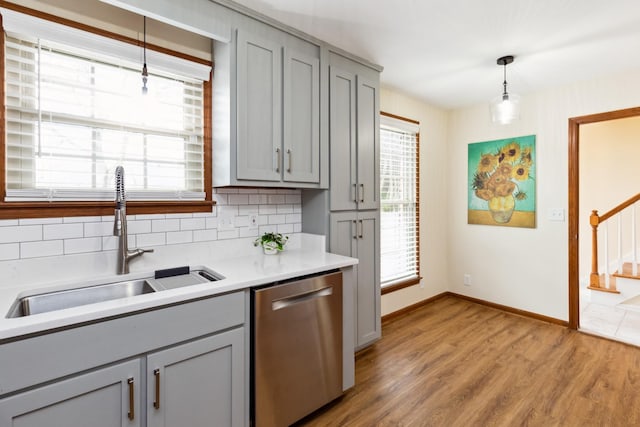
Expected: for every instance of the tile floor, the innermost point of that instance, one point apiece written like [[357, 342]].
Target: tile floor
[[616, 321]]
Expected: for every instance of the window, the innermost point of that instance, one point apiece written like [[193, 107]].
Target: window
[[74, 110], [399, 207]]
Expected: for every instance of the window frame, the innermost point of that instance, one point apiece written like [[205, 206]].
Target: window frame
[[16, 210], [405, 283]]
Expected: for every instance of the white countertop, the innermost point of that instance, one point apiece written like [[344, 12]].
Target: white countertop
[[252, 268]]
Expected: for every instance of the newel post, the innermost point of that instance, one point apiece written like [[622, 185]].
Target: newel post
[[594, 278]]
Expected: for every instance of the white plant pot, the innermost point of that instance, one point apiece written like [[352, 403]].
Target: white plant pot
[[269, 250]]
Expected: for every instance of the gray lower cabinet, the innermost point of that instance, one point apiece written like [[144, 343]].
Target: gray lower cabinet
[[180, 365], [107, 397], [356, 234], [197, 384]]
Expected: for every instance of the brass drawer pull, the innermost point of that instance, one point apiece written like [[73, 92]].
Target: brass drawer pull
[[156, 402], [131, 414]]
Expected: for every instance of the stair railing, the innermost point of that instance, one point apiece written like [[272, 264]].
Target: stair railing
[[595, 220]]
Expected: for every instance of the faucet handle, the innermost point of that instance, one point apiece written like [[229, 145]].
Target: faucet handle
[[146, 250]]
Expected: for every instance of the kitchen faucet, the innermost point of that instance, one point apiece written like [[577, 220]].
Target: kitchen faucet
[[120, 227]]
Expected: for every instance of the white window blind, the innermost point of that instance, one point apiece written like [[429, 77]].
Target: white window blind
[[398, 200], [73, 114]]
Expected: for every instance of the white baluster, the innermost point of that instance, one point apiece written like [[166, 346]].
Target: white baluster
[[606, 255], [620, 243], [634, 243]]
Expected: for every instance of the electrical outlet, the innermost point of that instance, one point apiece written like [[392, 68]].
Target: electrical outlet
[[253, 222], [226, 221], [467, 280], [556, 214]]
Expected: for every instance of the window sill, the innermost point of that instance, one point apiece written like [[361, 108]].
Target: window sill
[[401, 285], [16, 210]]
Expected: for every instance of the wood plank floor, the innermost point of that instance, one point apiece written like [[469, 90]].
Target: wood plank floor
[[457, 363]]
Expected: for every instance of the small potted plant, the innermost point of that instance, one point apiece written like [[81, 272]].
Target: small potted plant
[[271, 243]]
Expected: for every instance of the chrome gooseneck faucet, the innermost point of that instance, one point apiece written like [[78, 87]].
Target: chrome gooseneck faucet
[[120, 226]]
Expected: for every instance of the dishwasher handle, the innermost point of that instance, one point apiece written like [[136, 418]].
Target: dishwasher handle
[[285, 302]]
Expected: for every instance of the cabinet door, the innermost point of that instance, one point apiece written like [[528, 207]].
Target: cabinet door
[[368, 144], [101, 398], [198, 384], [343, 237], [259, 143], [342, 137], [301, 118], [368, 327], [356, 234]]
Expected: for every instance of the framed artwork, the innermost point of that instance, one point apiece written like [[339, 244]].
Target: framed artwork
[[501, 182]]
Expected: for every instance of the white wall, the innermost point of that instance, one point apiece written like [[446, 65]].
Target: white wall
[[524, 268], [433, 198]]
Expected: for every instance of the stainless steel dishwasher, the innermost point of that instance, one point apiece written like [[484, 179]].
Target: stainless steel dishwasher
[[297, 348]]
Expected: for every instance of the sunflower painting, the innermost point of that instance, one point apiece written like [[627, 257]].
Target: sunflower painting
[[501, 184]]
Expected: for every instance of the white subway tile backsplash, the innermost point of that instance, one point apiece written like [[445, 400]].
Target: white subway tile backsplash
[[228, 234], [285, 228], [93, 229], [62, 231], [139, 227], [277, 210], [267, 209], [20, 233], [150, 239], [293, 218], [211, 222], [258, 199], [238, 199], [9, 251], [76, 246], [41, 249], [277, 219], [192, 224], [284, 209], [205, 235], [163, 225], [276, 199], [176, 237], [294, 199]]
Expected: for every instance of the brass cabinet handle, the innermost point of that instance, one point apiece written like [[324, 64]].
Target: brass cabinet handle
[[156, 402], [355, 193], [277, 160], [362, 193], [289, 160], [361, 230], [131, 414], [355, 229]]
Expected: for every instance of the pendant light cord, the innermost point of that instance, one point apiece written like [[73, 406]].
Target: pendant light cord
[[145, 74]]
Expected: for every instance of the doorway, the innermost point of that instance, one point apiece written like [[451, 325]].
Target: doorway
[[574, 203]]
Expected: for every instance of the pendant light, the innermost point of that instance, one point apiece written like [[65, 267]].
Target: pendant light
[[505, 108], [145, 74]]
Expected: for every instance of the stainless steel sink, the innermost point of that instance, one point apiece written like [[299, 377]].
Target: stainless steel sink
[[59, 300]]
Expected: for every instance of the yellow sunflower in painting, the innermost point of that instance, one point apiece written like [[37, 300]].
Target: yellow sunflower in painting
[[487, 163], [520, 172], [510, 152]]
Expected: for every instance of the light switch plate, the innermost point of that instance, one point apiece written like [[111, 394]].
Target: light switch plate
[[556, 214]]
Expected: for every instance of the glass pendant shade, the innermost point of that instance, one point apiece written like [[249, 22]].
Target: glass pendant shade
[[505, 109]]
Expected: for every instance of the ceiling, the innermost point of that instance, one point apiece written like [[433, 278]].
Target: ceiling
[[444, 52]]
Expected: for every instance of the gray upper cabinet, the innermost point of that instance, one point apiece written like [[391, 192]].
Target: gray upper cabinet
[[354, 138], [259, 142], [301, 147], [266, 110]]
